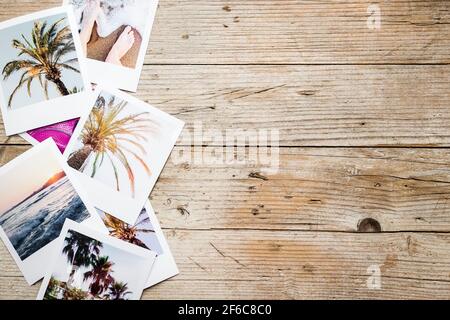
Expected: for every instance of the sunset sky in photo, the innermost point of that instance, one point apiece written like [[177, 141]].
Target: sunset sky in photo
[[26, 177]]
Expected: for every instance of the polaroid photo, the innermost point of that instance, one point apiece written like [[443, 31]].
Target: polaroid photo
[[38, 193], [145, 233], [115, 36], [43, 77], [88, 265], [118, 150], [60, 132]]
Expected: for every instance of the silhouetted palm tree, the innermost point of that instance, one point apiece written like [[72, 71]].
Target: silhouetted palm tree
[[43, 57], [100, 274], [80, 251], [118, 291], [107, 133]]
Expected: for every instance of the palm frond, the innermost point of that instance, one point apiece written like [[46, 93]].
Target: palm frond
[[123, 159], [19, 85], [116, 173], [44, 47], [17, 65], [66, 66]]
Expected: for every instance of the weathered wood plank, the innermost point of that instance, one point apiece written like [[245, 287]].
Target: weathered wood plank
[[314, 189], [308, 105], [287, 265], [289, 31]]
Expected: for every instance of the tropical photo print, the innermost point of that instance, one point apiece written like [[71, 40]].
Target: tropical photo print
[[114, 144], [37, 198], [111, 30], [118, 150], [39, 65], [146, 233], [60, 133], [142, 233], [89, 267]]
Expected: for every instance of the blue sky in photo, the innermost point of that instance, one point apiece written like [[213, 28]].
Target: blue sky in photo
[[8, 53]]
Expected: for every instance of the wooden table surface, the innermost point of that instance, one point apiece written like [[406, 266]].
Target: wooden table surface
[[364, 127]]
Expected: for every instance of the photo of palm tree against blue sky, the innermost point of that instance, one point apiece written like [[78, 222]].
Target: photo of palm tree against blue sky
[[38, 61], [142, 233], [114, 144], [88, 269], [36, 199]]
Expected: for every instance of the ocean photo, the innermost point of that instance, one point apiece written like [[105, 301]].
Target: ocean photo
[[38, 61], [38, 219]]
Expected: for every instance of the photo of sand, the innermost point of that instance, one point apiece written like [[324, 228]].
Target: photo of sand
[[37, 197], [111, 30]]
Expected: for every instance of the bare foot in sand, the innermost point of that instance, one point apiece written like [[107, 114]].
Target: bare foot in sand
[[90, 15], [121, 47]]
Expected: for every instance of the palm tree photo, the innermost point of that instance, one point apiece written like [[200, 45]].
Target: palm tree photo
[[80, 251], [126, 232], [118, 291], [42, 56], [90, 257], [113, 134], [99, 275]]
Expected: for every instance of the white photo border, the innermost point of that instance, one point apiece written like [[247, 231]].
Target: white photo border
[[165, 266], [103, 196], [148, 256], [33, 267], [56, 109]]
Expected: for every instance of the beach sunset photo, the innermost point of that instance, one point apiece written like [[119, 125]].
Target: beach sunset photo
[[37, 197]]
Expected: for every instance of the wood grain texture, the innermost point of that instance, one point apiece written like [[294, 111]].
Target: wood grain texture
[[308, 105], [289, 31], [290, 265], [315, 189]]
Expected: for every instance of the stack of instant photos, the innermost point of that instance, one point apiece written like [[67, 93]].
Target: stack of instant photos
[[74, 208]]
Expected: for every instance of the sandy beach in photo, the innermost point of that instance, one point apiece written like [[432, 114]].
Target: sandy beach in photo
[[142, 233], [98, 47], [103, 24], [89, 265]]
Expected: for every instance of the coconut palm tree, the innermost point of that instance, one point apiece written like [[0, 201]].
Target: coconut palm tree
[[43, 57], [117, 291], [80, 251], [108, 133], [126, 232], [100, 275]]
